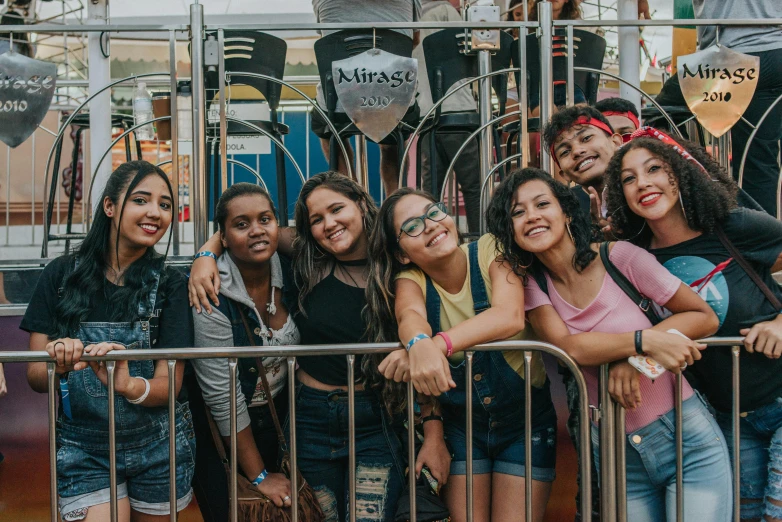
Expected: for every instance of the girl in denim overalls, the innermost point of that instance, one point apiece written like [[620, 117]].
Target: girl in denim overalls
[[447, 298], [113, 294]]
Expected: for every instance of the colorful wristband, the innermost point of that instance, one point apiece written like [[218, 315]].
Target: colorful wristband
[[639, 348], [205, 253], [260, 478], [448, 343], [419, 337]]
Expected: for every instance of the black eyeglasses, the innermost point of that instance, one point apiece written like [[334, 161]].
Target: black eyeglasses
[[414, 227]]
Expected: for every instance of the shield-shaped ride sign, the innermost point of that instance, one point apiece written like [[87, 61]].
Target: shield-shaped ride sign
[[376, 89], [26, 90], [718, 84]]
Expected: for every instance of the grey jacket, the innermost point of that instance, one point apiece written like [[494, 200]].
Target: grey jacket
[[214, 330]]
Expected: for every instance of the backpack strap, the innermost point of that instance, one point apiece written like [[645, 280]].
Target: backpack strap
[[480, 297], [735, 254], [643, 302]]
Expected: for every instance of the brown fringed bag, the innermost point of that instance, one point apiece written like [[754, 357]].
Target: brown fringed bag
[[253, 506]]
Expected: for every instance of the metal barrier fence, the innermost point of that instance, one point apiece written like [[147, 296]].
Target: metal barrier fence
[[291, 353]]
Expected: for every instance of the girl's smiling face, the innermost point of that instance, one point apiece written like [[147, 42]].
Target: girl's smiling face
[[146, 215], [538, 220], [426, 233], [337, 224], [649, 187]]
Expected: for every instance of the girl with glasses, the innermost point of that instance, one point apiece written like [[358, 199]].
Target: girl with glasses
[[440, 298]]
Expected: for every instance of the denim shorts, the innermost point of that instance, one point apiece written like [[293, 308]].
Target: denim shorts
[[761, 454], [498, 447], [83, 477]]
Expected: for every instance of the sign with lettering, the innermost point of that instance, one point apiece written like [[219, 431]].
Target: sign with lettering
[[376, 88], [253, 112], [26, 90], [718, 84]]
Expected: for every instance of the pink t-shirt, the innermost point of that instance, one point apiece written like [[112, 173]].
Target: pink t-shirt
[[613, 311]]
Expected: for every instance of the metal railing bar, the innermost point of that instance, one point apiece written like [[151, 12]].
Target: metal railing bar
[[468, 439], [621, 460], [679, 434], [233, 503], [53, 496], [172, 497], [735, 352], [411, 479], [351, 438], [292, 445], [110, 367], [528, 436]]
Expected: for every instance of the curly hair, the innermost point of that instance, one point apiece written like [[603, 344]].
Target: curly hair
[[564, 119], [707, 197], [500, 223]]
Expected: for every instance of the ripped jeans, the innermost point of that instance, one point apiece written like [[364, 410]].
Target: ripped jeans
[[322, 456], [761, 458]]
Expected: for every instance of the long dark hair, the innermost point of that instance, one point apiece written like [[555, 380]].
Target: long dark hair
[[89, 277], [384, 265], [500, 223], [309, 259], [707, 197], [570, 11]]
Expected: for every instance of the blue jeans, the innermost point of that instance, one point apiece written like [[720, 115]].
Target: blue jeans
[[761, 457], [322, 457], [651, 468]]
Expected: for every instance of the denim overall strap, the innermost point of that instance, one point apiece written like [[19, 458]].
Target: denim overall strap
[[248, 370], [480, 299]]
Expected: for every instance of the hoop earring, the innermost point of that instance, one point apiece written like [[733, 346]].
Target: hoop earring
[[532, 259], [681, 202], [567, 225]]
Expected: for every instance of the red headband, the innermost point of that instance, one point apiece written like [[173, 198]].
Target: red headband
[[582, 120], [650, 132], [629, 115]]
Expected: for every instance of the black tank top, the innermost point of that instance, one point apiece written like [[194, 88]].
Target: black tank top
[[333, 311]]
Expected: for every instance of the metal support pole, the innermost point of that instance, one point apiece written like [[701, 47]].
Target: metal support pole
[[100, 106], [468, 400], [735, 352], [174, 139], [53, 511], [411, 449], [223, 113], [546, 75], [110, 367], [484, 110], [679, 449], [621, 464], [571, 51], [351, 439], [198, 201], [362, 171], [523, 136], [528, 435], [629, 52], [233, 503], [292, 444], [172, 498], [607, 451]]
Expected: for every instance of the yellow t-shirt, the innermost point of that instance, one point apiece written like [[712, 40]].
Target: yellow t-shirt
[[458, 307]]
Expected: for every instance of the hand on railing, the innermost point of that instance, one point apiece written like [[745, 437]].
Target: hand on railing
[[623, 385], [276, 487], [204, 284], [123, 383], [672, 351], [396, 366], [67, 353], [765, 338], [429, 369]]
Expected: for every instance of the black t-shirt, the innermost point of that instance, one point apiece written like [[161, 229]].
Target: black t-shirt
[[334, 316], [737, 301], [175, 318]]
